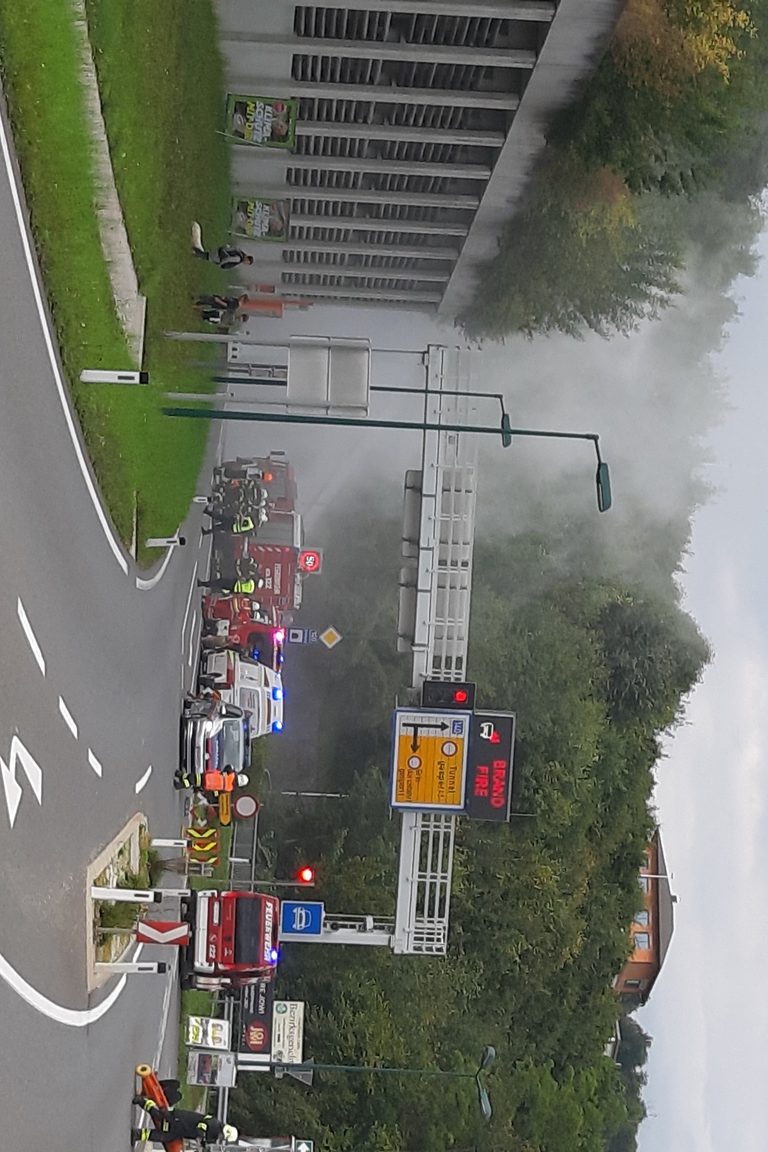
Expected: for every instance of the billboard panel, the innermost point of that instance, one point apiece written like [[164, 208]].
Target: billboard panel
[[255, 1032]]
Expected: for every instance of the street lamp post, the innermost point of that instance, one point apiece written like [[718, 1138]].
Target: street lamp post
[[504, 429], [487, 1058]]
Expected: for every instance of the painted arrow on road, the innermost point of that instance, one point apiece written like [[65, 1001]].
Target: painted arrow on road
[[19, 756]]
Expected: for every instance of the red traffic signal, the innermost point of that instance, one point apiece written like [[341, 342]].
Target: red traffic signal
[[306, 875], [447, 694]]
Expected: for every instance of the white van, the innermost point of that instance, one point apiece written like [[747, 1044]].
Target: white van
[[247, 683]]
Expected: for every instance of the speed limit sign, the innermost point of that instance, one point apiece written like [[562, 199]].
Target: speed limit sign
[[310, 560]]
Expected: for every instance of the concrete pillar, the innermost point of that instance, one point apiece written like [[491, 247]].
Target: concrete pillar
[[463, 138], [377, 165], [366, 196], [484, 9], [391, 50], [350, 249], [377, 224], [354, 271], [382, 94]]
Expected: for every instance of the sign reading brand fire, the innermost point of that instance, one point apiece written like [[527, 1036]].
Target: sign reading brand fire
[[256, 1004], [490, 766]]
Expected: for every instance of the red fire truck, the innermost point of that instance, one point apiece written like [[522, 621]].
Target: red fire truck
[[273, 472], [276, 550], [235, 622], [234, 939]]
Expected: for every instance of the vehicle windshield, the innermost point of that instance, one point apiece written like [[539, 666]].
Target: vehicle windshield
[[232, 740], [249, 932]]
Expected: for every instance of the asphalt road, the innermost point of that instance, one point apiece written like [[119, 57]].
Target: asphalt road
[[94, 661]]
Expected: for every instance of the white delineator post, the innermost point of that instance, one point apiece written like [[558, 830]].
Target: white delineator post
[[132, 968], [127, 895], [137, 895], [99, 376], [175, 541]]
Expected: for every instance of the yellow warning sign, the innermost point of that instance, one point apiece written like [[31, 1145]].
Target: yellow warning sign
[[429, 759], [330, 637]]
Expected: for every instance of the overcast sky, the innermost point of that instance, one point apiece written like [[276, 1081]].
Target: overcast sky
[[708, 1013]]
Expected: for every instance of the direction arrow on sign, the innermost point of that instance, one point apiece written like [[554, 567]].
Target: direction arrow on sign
[[19, 756]]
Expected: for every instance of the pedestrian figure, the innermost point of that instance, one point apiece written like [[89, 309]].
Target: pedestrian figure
[[242, 582], [225, 256], [236, 523], [242, 586], [180, 1124], [218, 309]]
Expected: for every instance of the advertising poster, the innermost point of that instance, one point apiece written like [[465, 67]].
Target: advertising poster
[[256, 1003], [211, 1069], [288, 1031], [206, 1032], [260, 219], [267, 121]]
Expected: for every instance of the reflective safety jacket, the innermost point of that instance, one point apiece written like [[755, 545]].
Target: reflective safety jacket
[[216, 781], [242, 524], [244, 587]]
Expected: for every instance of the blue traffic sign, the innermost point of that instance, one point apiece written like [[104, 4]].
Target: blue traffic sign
[[301, 918]]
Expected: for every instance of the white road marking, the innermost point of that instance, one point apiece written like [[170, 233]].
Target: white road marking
[[170, 984], [68, 718], [193, 640], [142, 783], [153, 581], [72, 1017], [190, 594], [95, 764], [19, 755], [114, 544], [37, 651]]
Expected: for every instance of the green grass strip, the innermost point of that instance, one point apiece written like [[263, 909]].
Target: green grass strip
[[162, 91]]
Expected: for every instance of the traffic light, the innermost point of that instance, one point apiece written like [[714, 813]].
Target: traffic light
[[448, 695], [305, 875]]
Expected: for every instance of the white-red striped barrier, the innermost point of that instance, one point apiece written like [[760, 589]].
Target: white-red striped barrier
[[173, 932]]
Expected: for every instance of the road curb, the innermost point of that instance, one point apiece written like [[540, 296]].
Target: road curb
[[96, 979]]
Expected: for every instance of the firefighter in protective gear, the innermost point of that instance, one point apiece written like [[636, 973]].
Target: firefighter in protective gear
[[237, 524], [217, 781], [244, 580], [176, 1124], [240, 586]]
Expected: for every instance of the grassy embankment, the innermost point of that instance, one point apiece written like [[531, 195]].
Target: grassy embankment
[[162, 92]]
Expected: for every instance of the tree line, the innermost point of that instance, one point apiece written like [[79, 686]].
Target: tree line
[[670, 134], [596, 668]]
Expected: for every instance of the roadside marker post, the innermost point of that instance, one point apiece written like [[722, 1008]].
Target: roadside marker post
[[175, 541], [128, 968], [127, 895], [99, 376]]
